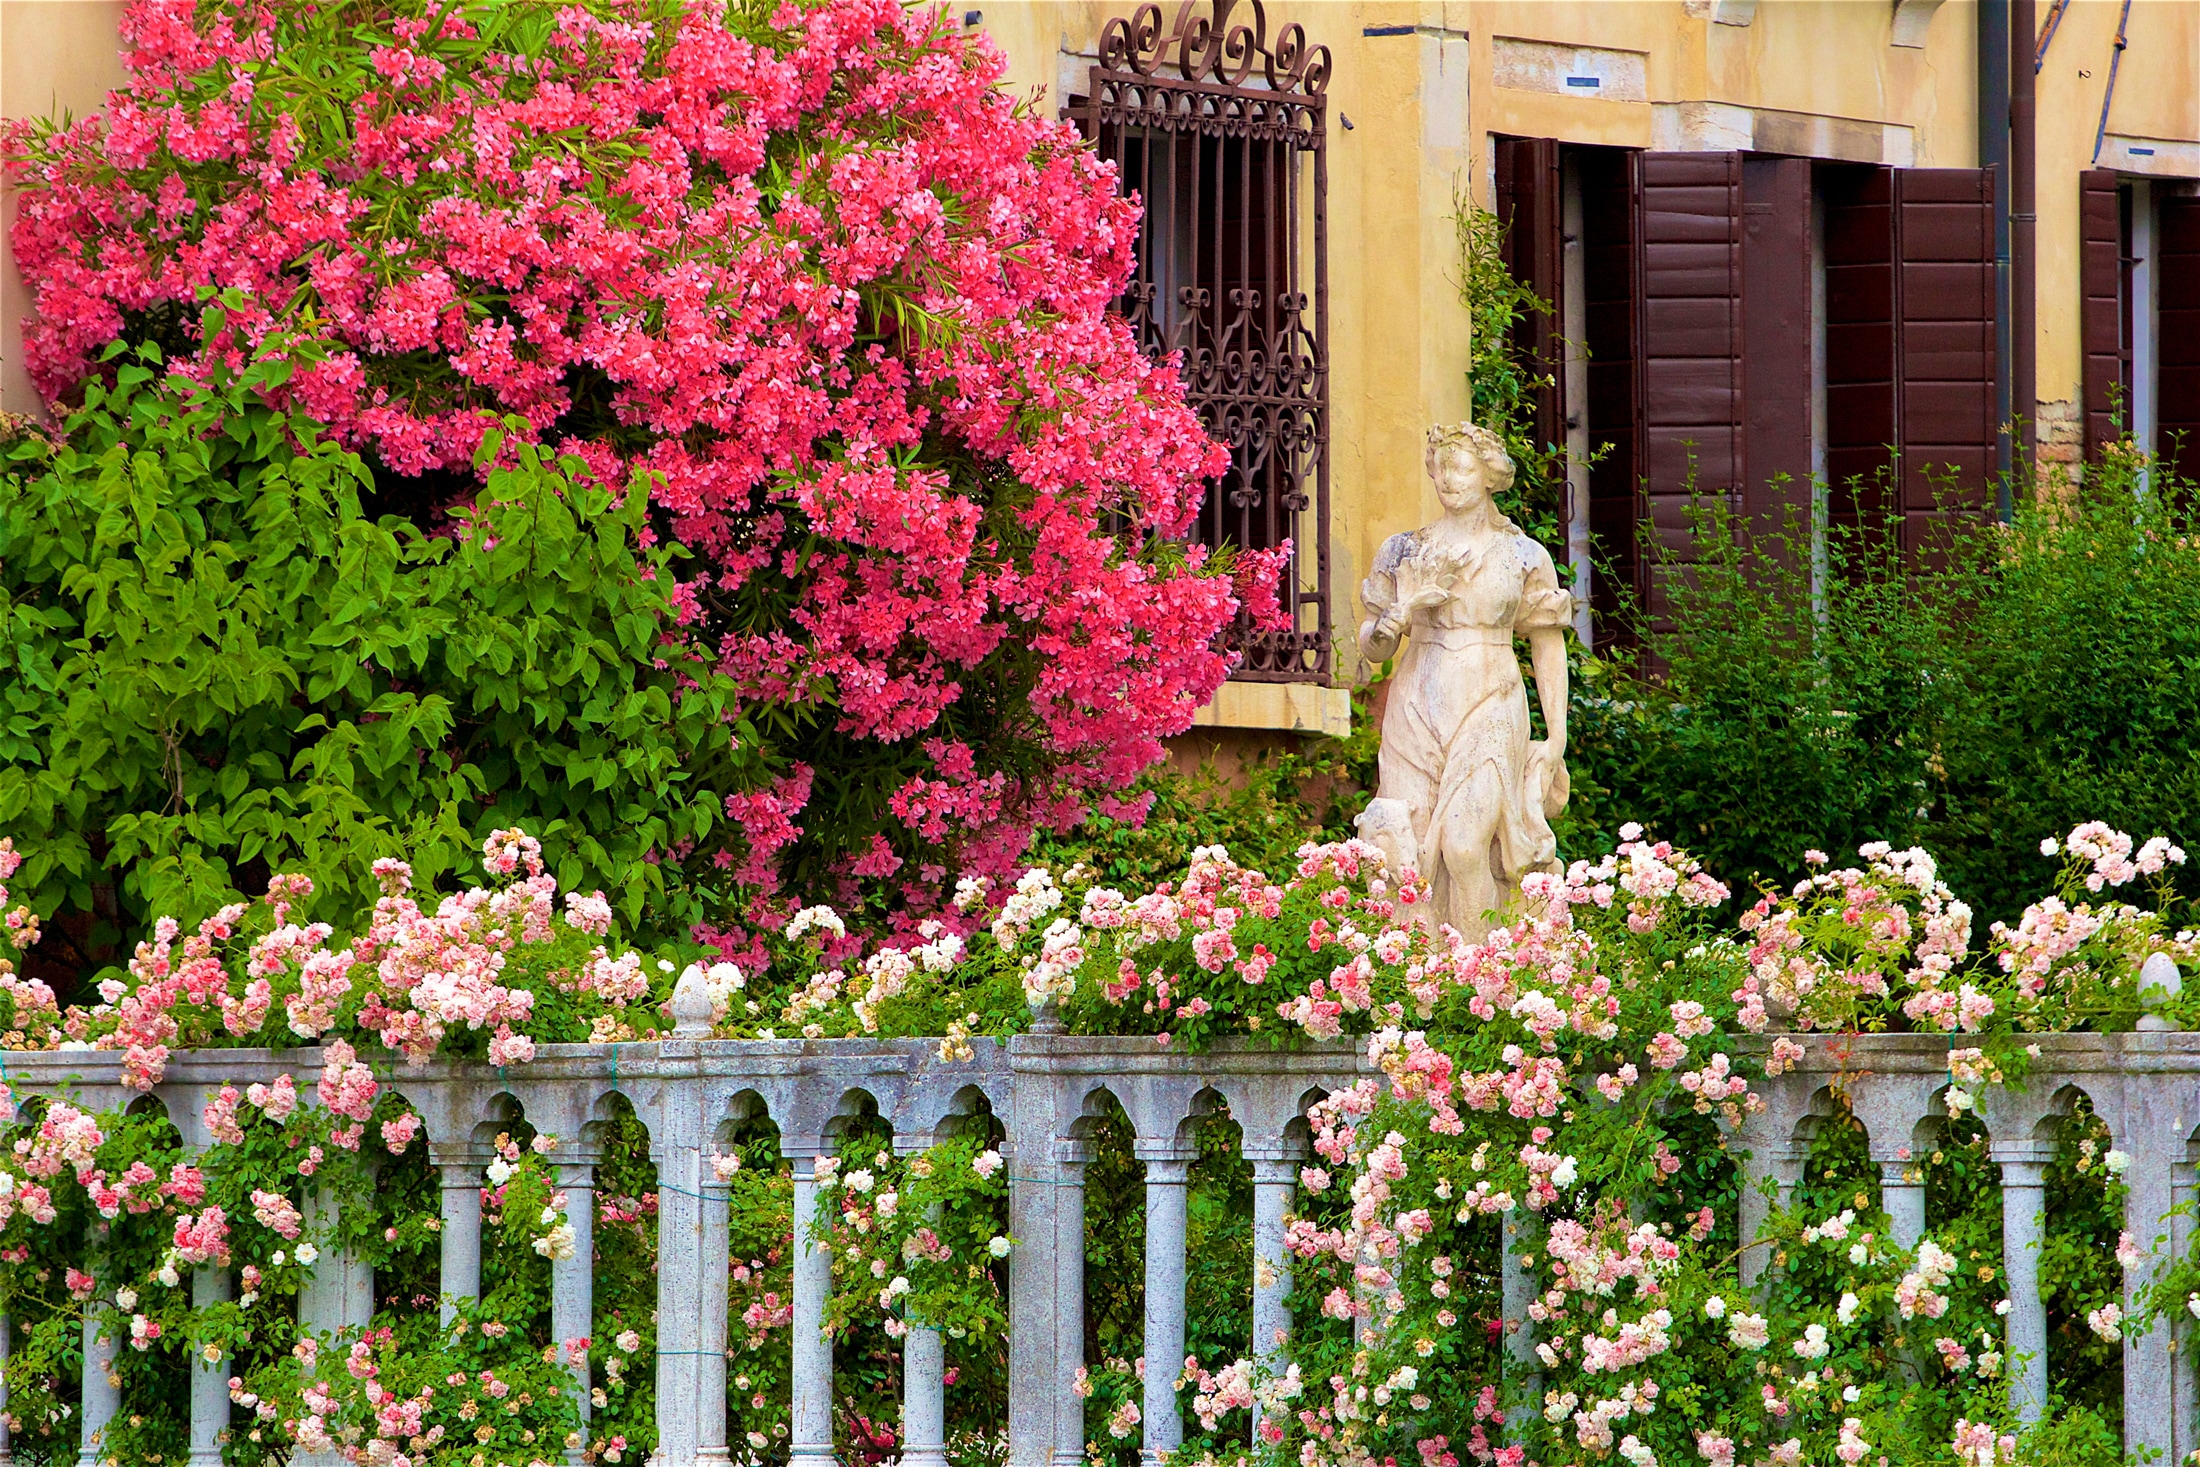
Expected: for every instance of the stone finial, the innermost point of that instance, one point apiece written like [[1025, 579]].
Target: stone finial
[[691, 1008], [2159, 983]]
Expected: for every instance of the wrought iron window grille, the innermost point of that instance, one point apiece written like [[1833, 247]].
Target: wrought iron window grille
[[1220, 134]]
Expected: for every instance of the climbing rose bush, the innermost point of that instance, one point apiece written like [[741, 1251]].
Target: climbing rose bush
[[483, 973], [1562, 1096], [802, 273]]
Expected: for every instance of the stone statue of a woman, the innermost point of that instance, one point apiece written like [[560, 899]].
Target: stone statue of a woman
[[1464, 795]]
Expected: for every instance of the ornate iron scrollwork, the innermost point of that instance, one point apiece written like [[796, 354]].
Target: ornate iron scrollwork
[[1219, 132]]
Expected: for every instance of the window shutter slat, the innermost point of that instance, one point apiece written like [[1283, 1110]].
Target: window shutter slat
[[2100, 286]]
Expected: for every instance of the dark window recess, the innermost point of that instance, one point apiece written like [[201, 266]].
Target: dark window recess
[[1531, 206], [1530, 201], [1219, 133], [1860, 342], [2177, 335], [1610, 240]]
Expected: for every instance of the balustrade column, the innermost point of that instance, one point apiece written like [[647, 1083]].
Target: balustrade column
[[573, 1282], [923, 1368], [679, 1285], [1902, 1193], [102, 1386], [2153, 1131], [1069, 1300], [1168, 1177], [812, 1441], [710, 1330], [338, 1294], [1785, 1168], [1275, 1178], [7, 1344], [2023, 1224], [458, 1168], [1516, 1292], [210, 1286]]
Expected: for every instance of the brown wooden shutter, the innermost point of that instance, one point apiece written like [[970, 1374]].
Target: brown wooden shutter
[[2101, 316], [2177, 335], [1776, 367], [1610, 242], [1689, 383], [1530, 204], [1944, 344]]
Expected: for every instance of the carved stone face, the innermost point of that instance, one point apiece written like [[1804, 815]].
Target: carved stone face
[[1462, 478]]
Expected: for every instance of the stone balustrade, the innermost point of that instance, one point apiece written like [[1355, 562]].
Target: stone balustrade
[[1047, 1092]]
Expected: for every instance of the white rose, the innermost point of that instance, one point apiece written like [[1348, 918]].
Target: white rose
[[1714, 1307], [307, 1253], [999, 1249], [126, 1298]]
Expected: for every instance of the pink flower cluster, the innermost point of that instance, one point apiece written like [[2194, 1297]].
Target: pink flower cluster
[[410, 978]]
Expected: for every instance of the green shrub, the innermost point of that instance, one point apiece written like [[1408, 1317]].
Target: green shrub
[[219, 666], [2041, 673]]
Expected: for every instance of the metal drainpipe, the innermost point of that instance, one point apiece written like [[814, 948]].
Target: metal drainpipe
[[2023, 236], [1993, 154]]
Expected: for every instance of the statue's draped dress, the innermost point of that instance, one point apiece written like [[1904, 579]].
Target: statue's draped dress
[[1458, 705]]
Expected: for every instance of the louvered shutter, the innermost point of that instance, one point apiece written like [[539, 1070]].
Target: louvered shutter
[[2177, 335], [1945, 335], [1530, 204], [1689, 383], [1776, 368], [2101, 316]]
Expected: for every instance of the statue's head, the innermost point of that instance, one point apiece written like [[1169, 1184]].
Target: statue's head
[[1468, 463]]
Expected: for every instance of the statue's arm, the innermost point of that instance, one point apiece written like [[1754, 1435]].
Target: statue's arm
[[1544, 612], [1547, 648], [1387, 611], [1379, 634]]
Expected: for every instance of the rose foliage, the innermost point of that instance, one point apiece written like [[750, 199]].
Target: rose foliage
[[801, 274]]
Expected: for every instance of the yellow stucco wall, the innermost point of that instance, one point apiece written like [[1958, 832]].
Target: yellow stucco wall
[[1812, 76], [57, 57], [2157, 98]]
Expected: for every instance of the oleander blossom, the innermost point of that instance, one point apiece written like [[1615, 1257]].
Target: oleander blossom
[[804, 273]]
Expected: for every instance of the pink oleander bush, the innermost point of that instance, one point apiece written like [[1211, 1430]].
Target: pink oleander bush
[[802, 273]]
